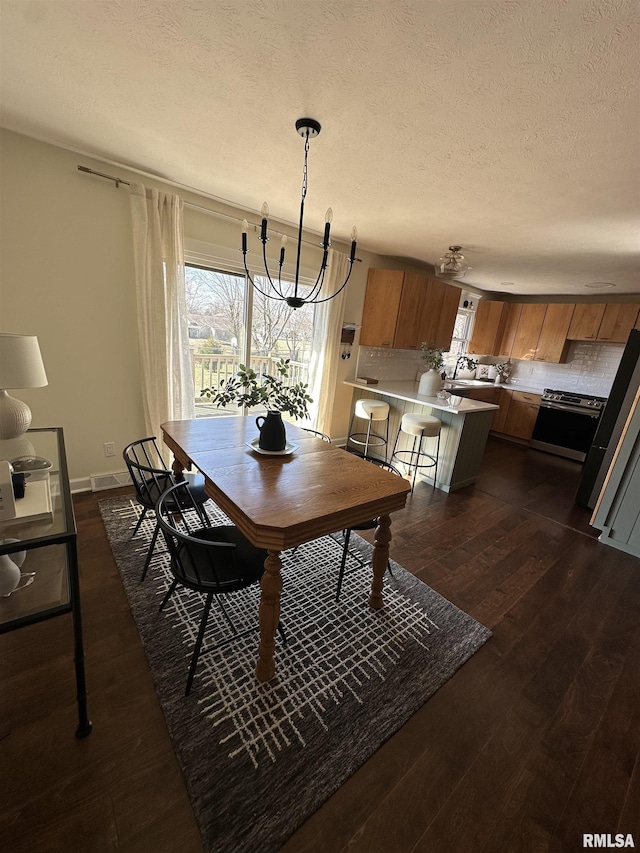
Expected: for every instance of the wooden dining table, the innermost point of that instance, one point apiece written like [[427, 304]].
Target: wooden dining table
[[280, 501]]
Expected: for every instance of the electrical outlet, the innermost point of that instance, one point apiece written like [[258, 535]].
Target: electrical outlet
[[109, 448]]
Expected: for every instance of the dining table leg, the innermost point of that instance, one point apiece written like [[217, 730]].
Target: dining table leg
[[380, 560], [271, 588]]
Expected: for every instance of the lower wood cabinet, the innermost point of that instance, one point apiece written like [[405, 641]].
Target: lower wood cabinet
[[518, 413], [491, 394], [500, 416]]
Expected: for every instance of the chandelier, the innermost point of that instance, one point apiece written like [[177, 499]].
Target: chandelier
[[451, 264], [307, 129]]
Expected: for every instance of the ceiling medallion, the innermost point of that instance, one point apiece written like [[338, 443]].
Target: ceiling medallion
[[600, 284]]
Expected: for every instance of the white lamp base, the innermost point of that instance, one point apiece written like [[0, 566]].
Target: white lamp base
[[15, 416]]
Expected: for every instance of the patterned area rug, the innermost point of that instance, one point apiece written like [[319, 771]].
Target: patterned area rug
[[259, 759]]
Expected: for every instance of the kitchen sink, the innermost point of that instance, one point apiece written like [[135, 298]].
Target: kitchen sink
[[452, 384]]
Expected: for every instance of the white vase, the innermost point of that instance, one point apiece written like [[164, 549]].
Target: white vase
[[430, 383]]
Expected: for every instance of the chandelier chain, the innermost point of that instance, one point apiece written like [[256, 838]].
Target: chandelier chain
[[304, 168]]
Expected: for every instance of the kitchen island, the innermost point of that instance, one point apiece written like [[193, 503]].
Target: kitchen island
[[465, 427]]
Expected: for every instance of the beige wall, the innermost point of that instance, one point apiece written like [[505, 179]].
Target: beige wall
[[66, 275]]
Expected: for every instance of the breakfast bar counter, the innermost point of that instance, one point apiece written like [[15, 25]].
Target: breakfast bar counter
[[465, 427]]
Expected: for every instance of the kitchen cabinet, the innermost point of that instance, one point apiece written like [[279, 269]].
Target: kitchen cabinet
[[439, 313], [619, 319], [528, 331], [508, 328], [553, 343], [486, 325], [500, 417], [586, 321], [494, 328], [521, 414], [608, 322], [541, 334], [381, 307], [490, 394], [402, 309]]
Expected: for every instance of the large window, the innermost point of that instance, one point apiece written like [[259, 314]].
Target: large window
[[230, 324]]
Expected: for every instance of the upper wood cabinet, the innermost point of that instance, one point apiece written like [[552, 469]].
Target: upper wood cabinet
[[409, 317], [527, 334], [439, 313], [586, 321], [402, 309], [487, 322], [598, 321], [619, 319], [494, 328], [508, 328], [381, 307], [552, 343]]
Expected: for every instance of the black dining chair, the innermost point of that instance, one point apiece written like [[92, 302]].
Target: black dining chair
[[317, 434], [151, 478], [214, 561], [365, 525]]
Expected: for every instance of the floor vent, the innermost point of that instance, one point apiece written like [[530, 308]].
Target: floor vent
[[110, 481]]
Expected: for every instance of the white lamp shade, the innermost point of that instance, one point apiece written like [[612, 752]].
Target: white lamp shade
[[21, 363]]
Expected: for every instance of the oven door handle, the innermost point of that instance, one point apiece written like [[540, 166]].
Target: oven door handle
[[590, 413]]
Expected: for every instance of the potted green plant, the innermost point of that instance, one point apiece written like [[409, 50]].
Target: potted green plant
[[466, 367], [431, 379], [248, 389]]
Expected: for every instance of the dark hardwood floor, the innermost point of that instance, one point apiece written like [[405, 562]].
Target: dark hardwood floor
[[535, 741]]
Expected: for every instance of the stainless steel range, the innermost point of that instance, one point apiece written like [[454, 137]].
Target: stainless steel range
[[566, 423]]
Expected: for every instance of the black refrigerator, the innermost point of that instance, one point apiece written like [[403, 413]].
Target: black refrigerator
[[612, 421]]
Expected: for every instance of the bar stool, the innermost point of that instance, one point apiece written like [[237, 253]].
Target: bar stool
[[420, 427], [370, 410]]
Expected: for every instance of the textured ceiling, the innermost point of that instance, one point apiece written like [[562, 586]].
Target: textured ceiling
[[511, 127]]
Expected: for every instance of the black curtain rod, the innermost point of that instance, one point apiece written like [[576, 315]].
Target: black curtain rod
[[118, 181]]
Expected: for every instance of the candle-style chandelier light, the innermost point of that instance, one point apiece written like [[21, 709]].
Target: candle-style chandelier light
[[307, 129]]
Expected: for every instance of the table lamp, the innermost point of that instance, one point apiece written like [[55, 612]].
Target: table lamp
[[20, 367]]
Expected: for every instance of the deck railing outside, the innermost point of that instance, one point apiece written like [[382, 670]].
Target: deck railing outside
[[210, 370]]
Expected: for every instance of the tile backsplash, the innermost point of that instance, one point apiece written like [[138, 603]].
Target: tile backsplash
[[590, 368]]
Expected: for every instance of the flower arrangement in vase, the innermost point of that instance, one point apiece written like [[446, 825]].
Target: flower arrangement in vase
[[503, 372], [248, 389]]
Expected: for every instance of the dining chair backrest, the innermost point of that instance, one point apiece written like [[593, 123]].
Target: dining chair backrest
[[381, 463], [317, 434], [149, 474], [202, 557]]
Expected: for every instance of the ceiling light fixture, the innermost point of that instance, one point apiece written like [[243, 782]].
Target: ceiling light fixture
[[452, 264], [600, 284], [307, 129]]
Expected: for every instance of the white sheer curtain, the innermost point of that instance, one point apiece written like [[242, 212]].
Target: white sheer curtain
[[163, 344], [325, 348]]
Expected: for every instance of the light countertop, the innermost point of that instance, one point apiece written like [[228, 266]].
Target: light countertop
[[408, 391]]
